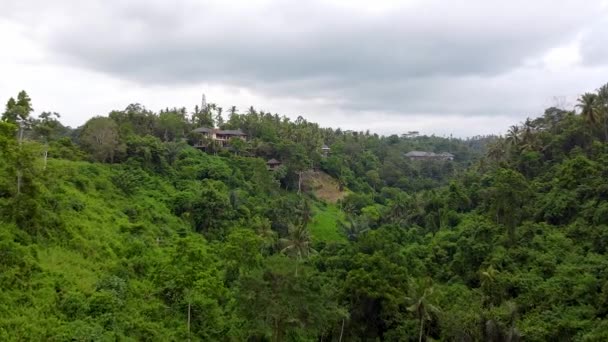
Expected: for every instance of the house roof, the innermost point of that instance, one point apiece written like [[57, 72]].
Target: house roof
[[428, 154], [230, 132], [419, 154], [203, 130], [273, 162], [219, 131], [325, 147]]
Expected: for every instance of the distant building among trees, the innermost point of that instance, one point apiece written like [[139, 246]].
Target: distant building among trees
[[218, 136], [423, 155], [273, 164], [325, 150]]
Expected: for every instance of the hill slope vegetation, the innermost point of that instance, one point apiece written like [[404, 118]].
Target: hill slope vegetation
[[120, 230]]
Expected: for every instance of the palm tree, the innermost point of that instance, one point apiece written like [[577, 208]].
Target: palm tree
[[421, 292], [487, 280], [488, 277], [269, 239], [512, 333], [417, 212], [513, 136], [305, 212], [232, 111], [528, 138], [398, 208], [496, 150], [602, 95], [353, 228], [298, 243], [172, 150], [494, 331], [590, 109]]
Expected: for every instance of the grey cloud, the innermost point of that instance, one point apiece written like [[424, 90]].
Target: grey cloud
[[423, 57], [149, 43], [594, 45]]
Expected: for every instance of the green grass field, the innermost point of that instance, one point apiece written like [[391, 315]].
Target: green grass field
[[323, 226]]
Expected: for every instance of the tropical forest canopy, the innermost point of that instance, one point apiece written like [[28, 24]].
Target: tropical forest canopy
[[121, 230]]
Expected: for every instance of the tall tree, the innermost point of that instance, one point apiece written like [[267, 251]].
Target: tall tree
[[590, 110], [298, 243], [18, 112], [11, 114], [487, 280], [279, 306], [219, 119], [100, 137], [204, 117], [508, 194], [420, 297], [513, 136], [238, 145], [232, 111], [172, 124], [45, 127], [134, 119], [353, 229], [528, 138], [602, 94]]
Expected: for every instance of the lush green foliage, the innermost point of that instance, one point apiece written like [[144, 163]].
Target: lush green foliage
[[127, 233], [324, 224]]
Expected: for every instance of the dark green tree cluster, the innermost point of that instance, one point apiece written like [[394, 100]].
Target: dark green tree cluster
[[512, 249], [126, 232], [119, 230]]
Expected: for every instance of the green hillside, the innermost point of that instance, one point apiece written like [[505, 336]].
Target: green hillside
[[122, 230]]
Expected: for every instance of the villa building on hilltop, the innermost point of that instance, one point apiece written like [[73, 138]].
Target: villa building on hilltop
[[218, 135], [273, 164], [422, 155], [325, 150]]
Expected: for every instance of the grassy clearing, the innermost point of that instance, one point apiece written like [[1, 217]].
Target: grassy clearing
[[74, 270], [323, 186], [324, 224]]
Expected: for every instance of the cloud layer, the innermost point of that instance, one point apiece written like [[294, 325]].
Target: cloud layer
[[352, 59]]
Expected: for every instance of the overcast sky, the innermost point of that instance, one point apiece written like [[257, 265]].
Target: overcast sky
[[439, 67]]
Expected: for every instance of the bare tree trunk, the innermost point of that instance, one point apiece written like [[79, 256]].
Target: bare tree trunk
[[342, 330], [606, 125], [278, 333], [421, 329], [19, 173], [299, 182], [46, 155], [20, 132], [19, 176], [189, 306]]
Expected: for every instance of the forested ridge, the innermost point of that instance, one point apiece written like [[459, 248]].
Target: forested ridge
[[122, 230]]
